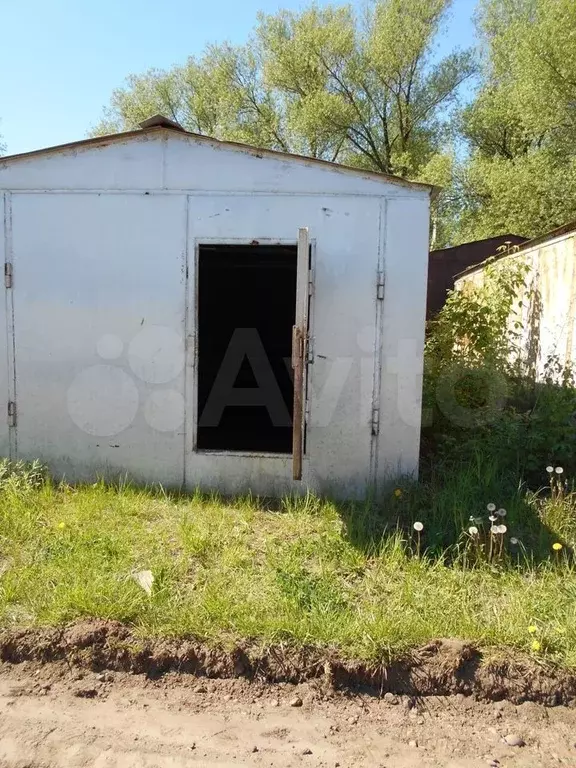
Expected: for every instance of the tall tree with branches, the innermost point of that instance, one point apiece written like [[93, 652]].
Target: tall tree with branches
[[521, 128], [368, 89]]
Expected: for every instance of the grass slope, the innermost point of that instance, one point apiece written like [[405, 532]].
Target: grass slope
[[301, 573]]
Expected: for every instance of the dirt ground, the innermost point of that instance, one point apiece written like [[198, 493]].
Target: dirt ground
[[57, 715]]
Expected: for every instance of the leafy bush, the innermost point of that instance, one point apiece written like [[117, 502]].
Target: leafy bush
[[479, 326], [479, 394]]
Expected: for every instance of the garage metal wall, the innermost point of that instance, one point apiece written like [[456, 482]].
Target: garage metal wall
[[104, 245]]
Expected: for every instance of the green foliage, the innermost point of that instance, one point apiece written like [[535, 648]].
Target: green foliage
[[528, 195], [520, 176], [21, 475], [480, 325], [533, 53], [557, 509], [545, 416], [472, 352], [369, 90], [442, 171], [323, 81], [480, 395]]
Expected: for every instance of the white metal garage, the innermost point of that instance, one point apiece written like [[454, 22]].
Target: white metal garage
[[201, 313]]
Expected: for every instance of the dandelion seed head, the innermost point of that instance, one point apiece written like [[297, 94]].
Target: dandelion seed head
[[492, 518], [501, 512], [549, 469], [473, 531], [495, 529], [559, 470], [502, 529], [491, 507], [514, 541], [418, 527]]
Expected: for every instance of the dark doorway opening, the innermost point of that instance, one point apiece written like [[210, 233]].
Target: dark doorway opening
[[246, 310]]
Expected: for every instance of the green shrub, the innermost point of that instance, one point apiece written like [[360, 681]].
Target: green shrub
[[480, 397]]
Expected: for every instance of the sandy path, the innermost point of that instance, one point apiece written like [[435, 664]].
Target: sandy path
[[50, 716]]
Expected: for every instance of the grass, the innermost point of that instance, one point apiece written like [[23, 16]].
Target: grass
[[304, 572]]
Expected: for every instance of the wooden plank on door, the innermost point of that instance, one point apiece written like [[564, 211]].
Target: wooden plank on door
[[300, 351]]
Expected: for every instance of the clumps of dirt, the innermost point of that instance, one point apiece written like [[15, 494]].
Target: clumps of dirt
[[446, 667], [440, 668]]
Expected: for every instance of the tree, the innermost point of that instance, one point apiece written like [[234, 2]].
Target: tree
[[521, 128], [442, 171], [368, 91]]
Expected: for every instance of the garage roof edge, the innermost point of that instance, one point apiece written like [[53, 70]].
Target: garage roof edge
[[566, 230], [160, 124]]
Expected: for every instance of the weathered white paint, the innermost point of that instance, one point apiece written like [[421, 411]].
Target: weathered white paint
[[548, 311], [91, 266], [154, 161], [104, 244], [4, 325], [405, 273]]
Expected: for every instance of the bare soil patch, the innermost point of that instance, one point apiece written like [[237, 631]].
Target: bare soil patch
[[59, 715], [441, 668]]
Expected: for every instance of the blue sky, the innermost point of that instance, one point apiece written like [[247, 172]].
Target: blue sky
[[60, 60]]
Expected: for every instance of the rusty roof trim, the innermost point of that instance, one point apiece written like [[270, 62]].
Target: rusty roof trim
[[161, 123], [274, 153], [519, 240], [93, 141], [565, 229]]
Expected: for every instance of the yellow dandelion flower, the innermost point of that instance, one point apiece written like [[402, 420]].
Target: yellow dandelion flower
[[557, 546], [61, 525], [532, 629], [536, 645], [398, 493]]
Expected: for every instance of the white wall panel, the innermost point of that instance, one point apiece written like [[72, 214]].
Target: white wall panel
[[99, 314], [406, 271], [219, 168], [173, 161], [136, 164]]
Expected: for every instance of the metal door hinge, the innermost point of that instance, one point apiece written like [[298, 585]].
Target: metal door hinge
[[310, 350], [11, 413], [380, 286], [310, 283], [375, 421], [8, 274]]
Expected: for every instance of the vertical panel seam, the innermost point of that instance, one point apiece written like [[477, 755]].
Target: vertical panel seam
[[378, 339], [186, 345], [10, 325], [7, 394], [163, 161]]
